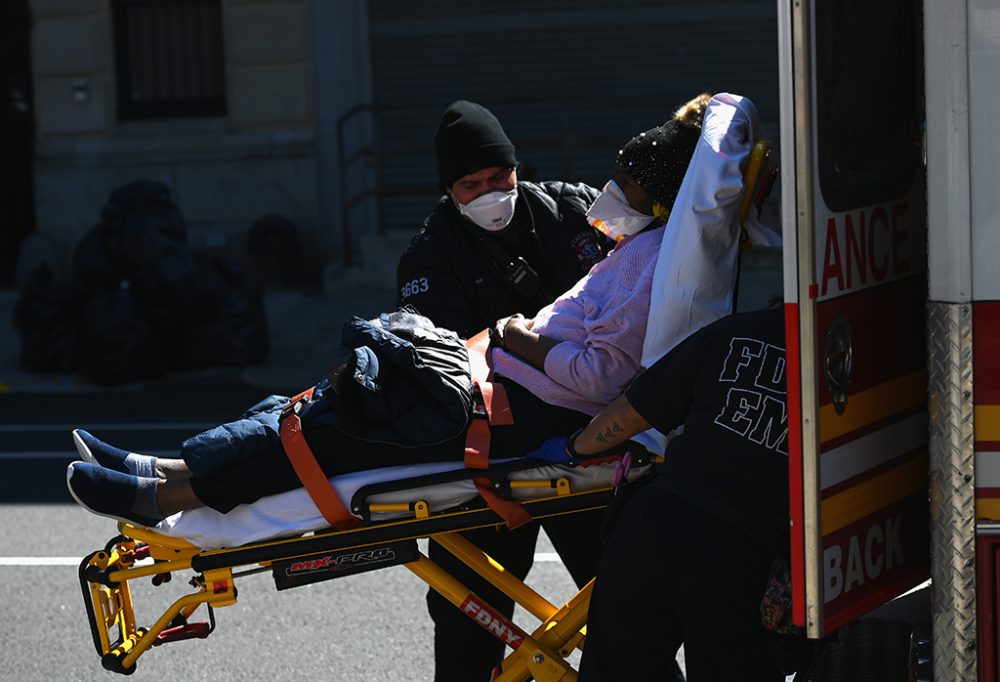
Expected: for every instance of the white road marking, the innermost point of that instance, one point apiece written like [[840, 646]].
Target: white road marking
[[12, 561], [70, 453], [547, 556], [40, 560], [133, 426]]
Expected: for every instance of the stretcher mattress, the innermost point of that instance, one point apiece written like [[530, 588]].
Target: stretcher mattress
[[294, 513]]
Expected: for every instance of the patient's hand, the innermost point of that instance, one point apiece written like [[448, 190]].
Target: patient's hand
[[517, 322], [519, 339]]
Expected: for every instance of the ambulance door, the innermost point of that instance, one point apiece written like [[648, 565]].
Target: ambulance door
[[854, 216]]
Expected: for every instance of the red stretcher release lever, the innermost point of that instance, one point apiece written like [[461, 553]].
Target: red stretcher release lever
[[186, 631]]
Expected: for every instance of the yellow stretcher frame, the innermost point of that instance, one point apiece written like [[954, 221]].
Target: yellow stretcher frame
[[105, 577]]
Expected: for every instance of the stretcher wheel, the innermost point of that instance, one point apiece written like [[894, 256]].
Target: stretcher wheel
[[98, 575], [113, 662]]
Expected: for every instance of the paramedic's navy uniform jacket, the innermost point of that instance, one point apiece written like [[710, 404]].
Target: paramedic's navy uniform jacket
[[726, 385], [446, 274]]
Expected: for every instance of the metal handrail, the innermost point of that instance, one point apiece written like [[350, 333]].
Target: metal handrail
[[369, 154]]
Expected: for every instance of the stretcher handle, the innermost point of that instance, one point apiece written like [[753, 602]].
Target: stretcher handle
[[186, 631]]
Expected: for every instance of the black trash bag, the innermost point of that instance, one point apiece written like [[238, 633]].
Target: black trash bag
[[92, 270], [45, 318], [227, 322], [139, 225], [167, 294], [115, 342]]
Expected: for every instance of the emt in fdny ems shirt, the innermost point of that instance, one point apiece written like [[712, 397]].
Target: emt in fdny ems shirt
[[689, 558]]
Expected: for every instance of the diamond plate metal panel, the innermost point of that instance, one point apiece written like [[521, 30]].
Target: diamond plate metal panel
[[952, 490]]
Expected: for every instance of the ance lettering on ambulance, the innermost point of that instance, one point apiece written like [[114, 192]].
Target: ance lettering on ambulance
[[868, 246]]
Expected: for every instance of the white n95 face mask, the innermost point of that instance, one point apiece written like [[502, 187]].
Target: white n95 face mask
[[492, 211], [614, 216]]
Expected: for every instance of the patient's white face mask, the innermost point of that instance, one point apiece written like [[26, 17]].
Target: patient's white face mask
[[614, 216], [492, 211]]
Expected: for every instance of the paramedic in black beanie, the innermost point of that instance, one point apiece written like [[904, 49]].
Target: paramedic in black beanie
[[492, 247]]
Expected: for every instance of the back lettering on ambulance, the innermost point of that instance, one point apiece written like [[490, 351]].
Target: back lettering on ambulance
[[755, 405]]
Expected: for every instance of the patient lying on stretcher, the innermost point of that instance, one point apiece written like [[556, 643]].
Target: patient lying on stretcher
[[404, 397], [405, 394]]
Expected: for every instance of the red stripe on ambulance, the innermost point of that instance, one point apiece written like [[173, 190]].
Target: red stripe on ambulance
[[887, 322], [795, 488], [986, 358]]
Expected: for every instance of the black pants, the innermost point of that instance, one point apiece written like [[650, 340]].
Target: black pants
[[269, 472], [673, 574], [463, 650]]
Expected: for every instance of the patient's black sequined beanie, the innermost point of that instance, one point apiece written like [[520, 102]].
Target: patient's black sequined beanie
[[658, 159], [469, 139]]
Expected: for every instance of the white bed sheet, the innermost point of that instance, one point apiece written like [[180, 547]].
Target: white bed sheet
[[294, 513]]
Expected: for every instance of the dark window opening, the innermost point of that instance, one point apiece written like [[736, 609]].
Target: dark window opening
[[867, 70], [169, 58]]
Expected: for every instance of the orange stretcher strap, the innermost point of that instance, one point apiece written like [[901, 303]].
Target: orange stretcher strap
[[497, 405], [477, 444], [494, 402], [477, 438], [511, 512], [307, 468], [477, 347]]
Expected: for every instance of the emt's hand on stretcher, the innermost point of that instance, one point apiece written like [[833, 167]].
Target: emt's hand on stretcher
[[555, 451]]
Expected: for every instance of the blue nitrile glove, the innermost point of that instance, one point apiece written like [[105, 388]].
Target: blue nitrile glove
[[554, 451]]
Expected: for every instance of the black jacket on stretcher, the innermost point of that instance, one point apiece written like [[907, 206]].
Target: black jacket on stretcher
[[400, 381], [405, 382], [450, 276]]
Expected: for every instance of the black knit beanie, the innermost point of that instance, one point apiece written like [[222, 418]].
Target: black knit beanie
[[469, 139], [658, 159]]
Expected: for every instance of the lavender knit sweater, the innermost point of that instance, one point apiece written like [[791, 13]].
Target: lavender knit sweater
[[600, 324]]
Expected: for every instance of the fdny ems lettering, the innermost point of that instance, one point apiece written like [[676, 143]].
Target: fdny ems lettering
[[493, 622], [869, 554], [869, 246], [755, 405]]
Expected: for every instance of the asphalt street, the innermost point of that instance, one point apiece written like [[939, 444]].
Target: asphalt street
[[371, 626]]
